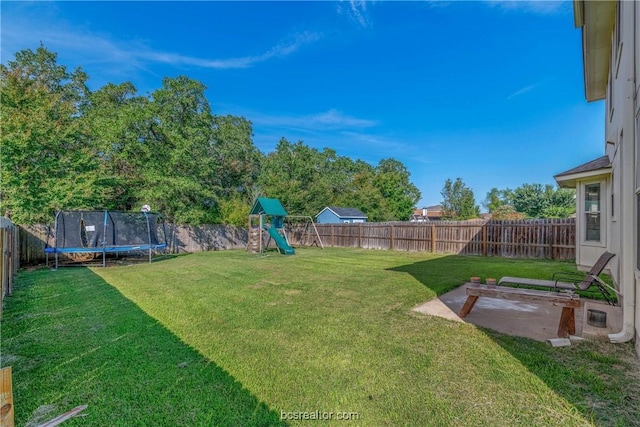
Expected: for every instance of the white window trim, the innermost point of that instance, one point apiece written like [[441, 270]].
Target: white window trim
[[604, 209]]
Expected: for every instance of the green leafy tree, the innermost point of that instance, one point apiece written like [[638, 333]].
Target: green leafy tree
[[506, 212], [117, 120], [179, 175], [237, 161], [400, 195], [458, 201], [234, 210], [306, 180], [365, 195], [496, 199], [45, 163], [542, 201], [296, 174]]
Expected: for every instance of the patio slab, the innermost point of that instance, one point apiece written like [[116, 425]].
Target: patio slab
[[538, 321]]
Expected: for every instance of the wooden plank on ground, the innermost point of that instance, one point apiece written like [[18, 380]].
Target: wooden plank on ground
[[519, 294], [6, 398]]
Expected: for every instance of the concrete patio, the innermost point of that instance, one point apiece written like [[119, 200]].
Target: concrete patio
[[538, 321]]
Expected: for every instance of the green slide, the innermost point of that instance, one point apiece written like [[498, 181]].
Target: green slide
[[283, 246]]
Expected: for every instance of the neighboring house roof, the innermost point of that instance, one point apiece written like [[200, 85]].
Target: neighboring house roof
[[596, 167], [596, 18], [433, 213], [430, 209], [344, 212], [265, 206]]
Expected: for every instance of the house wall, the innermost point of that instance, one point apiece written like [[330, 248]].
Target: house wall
[[635, 37], [327, 217], [621, 141]]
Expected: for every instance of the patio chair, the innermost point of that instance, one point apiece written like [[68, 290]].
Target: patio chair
[[571, 281]]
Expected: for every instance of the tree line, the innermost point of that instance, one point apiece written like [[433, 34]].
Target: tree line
[[67, 147], [526, 201]]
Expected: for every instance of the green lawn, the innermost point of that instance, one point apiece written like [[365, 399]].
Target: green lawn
[[228, 338]]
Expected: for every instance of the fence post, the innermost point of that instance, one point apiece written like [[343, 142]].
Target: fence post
[[484, 239], [433, 238], [551, 236], [3, 267], [391, 236], [360, 235], [331, 235]]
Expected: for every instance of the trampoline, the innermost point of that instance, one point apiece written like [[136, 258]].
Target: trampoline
[[104, 232]]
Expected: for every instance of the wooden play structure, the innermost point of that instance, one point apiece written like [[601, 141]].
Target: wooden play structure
[[267, 223]]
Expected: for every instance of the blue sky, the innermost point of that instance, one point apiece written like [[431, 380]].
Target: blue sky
[[488, 91]]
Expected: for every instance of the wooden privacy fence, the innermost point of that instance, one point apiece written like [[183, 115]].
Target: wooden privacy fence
[[10, 257], [548, 238], [541, 238]]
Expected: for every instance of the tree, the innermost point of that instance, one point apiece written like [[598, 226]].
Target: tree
[[236, 159], [306, 180], [506, 212], [458, 201], [117, 119], [496, 198], [297, 175], [179, 174], [363, 194], [400, 195], [45, 164], [538, 201]]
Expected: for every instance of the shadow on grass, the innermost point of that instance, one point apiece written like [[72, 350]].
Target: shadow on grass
[[444, 273], [72, 340], [116, 259], [598, 378]]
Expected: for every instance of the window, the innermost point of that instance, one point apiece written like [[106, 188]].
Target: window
[[592, 212]]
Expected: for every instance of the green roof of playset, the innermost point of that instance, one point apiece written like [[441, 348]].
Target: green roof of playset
[[266, 206]]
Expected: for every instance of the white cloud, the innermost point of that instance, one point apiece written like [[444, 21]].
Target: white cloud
[[333, 117], [330, 119], [90, 47], [521, 91], [280, 50], [356, 10]]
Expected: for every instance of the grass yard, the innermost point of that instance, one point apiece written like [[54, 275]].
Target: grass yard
[[232, 339]]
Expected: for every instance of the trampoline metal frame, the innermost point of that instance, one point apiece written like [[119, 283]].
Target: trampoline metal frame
[[104, 249]]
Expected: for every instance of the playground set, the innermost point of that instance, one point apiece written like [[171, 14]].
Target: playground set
[[268, 221]]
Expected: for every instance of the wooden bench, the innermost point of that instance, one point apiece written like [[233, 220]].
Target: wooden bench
[[568, 301]]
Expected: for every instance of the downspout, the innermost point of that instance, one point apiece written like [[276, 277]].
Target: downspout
[[629, 283]]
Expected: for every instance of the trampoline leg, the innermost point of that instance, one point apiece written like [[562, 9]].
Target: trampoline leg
[[104, 259], [56, 260]]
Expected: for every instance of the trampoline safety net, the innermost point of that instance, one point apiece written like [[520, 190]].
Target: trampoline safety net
[[106, 232]]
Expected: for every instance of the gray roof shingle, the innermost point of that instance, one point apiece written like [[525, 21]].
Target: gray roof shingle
[[347, 212], [599, 163]]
